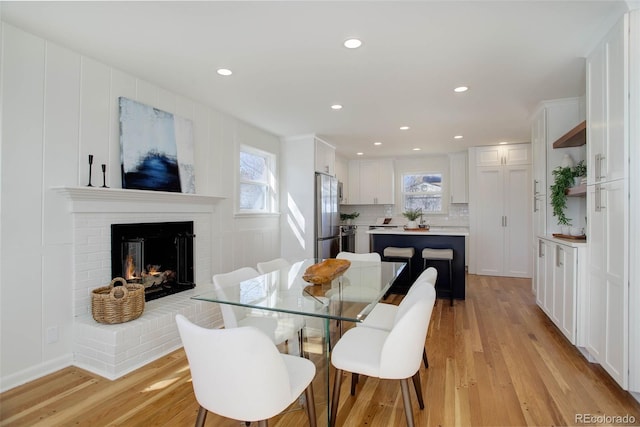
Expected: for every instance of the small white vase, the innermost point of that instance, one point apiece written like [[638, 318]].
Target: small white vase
[[412, 224]]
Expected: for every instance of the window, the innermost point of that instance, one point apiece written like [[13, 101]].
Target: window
[[257, 181], [422, 191]]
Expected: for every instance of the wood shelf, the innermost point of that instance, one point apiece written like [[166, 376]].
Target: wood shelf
[[574, 138], [577, 191]]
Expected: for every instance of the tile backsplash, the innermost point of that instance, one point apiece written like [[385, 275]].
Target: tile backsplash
[[458, 215]]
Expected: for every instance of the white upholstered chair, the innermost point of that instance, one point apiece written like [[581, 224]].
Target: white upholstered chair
[[383, 315], [272, 265], [394, 354], [238, 373], [279, 328]]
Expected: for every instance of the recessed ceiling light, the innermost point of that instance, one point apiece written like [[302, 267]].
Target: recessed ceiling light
[[417, 149], [503, 142], [377, 143], [360, 153], [352, 43], [461, 89], [336, 107], [457, 137], [224, 71], [404, 128]]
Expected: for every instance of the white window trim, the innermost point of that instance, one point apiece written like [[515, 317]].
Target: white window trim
[[403, 194], [272, 197]]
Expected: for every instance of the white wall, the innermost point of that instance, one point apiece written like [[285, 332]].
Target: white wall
[[57, 107]]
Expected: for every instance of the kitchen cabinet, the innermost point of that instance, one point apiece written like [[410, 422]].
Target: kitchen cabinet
[[497, 155], [607, 284], [371, 182], [342, 174], [554, 120], [560, 272], [325, 157], [500, 217], [458, 182], [362, 240], [608, 202]]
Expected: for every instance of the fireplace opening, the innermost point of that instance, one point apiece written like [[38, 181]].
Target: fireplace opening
[[158, 255]]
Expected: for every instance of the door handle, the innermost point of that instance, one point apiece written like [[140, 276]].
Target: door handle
[[540, 251], [558, 262], [535, 186]]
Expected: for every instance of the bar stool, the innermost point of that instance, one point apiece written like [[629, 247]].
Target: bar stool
[[391, 253], [430, 254]]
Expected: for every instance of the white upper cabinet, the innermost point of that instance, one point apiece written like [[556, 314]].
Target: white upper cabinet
[[371, 182], [458, 171], [325, 156], [607, 105], [495, 155]]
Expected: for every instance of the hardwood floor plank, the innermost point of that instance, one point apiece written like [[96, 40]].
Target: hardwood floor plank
[[495, 359]]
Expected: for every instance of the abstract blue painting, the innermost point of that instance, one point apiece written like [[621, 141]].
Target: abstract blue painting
[[156, 149]]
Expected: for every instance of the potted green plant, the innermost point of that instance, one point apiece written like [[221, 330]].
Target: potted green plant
[[348, 218], [412, 215], [579, 171], [562, 180]]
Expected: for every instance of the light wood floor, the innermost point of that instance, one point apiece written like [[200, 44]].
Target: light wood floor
[[495, 360]]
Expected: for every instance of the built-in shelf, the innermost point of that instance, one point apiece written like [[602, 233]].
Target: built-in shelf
[[577, 191], [574, 138]]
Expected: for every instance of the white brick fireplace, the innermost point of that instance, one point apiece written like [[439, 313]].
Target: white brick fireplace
[[114, 350]]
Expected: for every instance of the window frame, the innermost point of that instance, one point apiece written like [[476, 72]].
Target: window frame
[[404, 194], [270, 183]]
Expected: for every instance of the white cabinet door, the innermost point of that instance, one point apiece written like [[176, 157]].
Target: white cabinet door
[[539, 153], [564, 290], [362, 241], [607, 290], [541, 274], [489, 235], [353, 186], [371, 182], [325, 157], [502, 216], [517, 221], [606, 121], [515, 154], [458, 167]]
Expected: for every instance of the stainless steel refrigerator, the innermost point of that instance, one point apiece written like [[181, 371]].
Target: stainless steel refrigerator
[[327, 217]]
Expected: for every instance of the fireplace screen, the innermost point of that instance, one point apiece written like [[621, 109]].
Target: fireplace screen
[[157, 255]]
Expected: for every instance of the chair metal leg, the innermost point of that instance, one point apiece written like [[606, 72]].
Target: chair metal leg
[[311, 405], [263, 423], [202, 416], [424, 357], [406, 399], [354, 381], [335, 398], [418, 387], [451, 281]]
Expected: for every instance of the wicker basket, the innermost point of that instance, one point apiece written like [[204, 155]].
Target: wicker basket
[[117, 304]]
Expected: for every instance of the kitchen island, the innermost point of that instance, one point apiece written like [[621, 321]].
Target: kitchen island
[[435, 238]]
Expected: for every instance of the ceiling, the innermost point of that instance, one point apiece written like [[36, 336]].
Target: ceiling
[[289, 65]]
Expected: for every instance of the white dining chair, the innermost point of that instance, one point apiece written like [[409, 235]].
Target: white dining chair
[[273, 265], [394, 354], [238, 373], [279, 328], [383, 315]]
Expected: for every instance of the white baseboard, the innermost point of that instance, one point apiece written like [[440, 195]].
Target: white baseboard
[[35, 372]]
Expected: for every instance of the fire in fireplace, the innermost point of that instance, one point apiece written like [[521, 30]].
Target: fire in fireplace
[[158, 255]]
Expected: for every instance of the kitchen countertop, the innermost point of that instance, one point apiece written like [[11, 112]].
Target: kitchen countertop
[[433, 231], [568, 242]]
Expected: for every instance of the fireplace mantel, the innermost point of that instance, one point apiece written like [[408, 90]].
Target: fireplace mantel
[[96, 199]]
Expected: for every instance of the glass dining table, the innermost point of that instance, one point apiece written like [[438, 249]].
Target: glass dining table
[[347, 298]]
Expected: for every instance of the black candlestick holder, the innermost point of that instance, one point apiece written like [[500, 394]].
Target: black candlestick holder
[[90, 164], [104, 176]]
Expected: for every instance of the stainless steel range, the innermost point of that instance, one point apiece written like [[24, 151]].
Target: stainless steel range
[[348, 238]]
